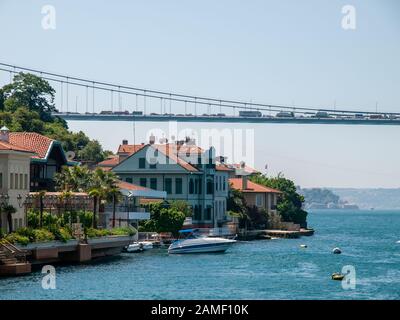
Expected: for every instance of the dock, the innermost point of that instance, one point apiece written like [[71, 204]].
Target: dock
[[18, 260]]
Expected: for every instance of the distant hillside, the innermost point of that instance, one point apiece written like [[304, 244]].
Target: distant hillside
[[383, 199], [317, 198]]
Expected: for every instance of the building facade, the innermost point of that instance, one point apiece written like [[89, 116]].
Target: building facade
[[183, 171], [14, 182], [48, 158]]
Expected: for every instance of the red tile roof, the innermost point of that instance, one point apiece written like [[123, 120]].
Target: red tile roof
[[129, 148], [111, 161], [8, 146], [31, 141], [130, 186], [237, 183], [172, 151], [223, 167]]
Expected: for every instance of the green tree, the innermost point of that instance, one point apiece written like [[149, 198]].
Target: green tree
[[32, 92], [290, 204], [91, 152]]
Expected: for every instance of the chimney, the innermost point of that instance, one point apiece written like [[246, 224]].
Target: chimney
[[4, 134], [152, 139], [124, 142], [244, 182]]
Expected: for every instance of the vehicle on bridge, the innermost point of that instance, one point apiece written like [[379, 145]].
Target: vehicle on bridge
[[137, 113], [322, 114], [250, 114], [121, 113], [376, 116], [284, 114], [221, 115], [106, 112]]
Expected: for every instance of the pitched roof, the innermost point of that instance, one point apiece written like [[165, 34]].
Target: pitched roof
[[129, 148], [32, 141], [12, 147], [223, 167], [111, 161], [130, 186], [246, 168], [170, 150], [237, 183]]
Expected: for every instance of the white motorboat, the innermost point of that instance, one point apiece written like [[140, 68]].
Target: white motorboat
[[190, 242], [134, 247], [139, 246]]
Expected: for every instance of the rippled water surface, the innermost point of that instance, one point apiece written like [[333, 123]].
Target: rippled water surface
[[270, 269]]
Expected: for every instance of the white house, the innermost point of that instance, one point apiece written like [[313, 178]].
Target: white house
[[183, 171], [14, 181]]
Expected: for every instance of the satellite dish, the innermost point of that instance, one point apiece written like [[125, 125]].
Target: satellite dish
[[70, 155]]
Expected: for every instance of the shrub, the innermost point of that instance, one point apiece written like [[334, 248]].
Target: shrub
[[26, 232], [123, 231], [43, 235], [94, 233], [63, 234], [16, 238]]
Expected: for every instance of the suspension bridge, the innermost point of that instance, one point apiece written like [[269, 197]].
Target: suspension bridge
[[83, 99]]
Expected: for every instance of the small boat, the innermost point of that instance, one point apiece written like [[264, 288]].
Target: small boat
[[303, 246], [336, 251], [191, 242], [337, 276], [139, 246], [134, 247], [146, 245]]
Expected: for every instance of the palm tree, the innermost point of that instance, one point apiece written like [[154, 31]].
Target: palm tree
[[99, 185], [103, 184]]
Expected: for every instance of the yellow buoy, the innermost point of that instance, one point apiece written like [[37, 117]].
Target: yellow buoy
[[337, 276]]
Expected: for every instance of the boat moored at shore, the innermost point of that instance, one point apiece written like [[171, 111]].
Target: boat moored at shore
[[194, 243]]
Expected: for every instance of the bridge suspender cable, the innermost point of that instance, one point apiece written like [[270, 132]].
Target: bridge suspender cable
[[147, 93]]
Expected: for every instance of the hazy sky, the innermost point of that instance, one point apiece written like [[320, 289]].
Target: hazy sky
[[283, 52]]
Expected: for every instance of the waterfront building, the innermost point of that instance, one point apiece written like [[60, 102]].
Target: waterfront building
[[183, 170], [256, 195], [14, 181], [128, 210], [48, 158]]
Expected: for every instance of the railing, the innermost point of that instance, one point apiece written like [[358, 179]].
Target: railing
[[13, 251]]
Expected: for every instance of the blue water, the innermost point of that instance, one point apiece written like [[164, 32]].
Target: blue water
[[270, 269]]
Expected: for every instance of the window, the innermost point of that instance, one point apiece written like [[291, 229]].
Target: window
[[143, 182], [200, 188], [1, 180], [168, 185], [153, 183], [210, 186], [129, 180], [178, 185], [197, 212], [153, 166], [191, 186], [142, 163], [11, 180], [16, 181], [224, 184], [208, 213], [21, 181], [26, 181], [258, 200], [216, 183]]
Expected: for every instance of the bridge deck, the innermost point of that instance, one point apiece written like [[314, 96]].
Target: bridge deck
[[229, 119]]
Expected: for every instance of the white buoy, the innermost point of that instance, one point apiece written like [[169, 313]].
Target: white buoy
[[336, 250], [303, 246], [398, 241]]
